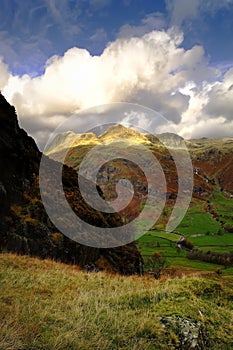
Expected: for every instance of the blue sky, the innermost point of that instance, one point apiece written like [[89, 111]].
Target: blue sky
[[33, 31]]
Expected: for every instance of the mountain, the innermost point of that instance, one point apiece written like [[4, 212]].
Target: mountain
[[121, 132], [63, 141], [211, 158], [171, 140], [71, 140], [25, 227], [118, 132]]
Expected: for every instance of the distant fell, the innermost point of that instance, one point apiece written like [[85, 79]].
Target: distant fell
[[212, 158]]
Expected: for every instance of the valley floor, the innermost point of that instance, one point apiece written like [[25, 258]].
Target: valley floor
[[47, 305]]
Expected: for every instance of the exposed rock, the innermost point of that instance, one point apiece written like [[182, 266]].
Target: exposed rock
[[190, 334], [172, 140]]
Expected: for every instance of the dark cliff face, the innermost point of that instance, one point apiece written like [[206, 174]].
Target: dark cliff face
[[24, 225], [19, 158]]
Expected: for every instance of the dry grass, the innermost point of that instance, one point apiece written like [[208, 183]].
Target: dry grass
[[47, 305]]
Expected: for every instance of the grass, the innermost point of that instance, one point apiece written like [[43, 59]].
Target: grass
[[166, 235], [223, 206], [174, 257], [225, 240], [199, 227], [198, 221], [47, 305]]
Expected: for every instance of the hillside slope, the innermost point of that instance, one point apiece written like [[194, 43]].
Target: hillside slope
[[212, 165], [50, 306], [24, 225], [212, 158]]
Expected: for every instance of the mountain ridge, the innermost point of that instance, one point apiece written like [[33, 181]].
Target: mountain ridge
[[121, 132], [69, 139], [212, 157]]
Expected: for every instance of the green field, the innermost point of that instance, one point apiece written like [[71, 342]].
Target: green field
[[198, 221], [198, 226], [174, 257], [223, 206]]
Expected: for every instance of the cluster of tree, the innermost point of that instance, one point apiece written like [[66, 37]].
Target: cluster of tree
[[225, 259], [186, 244]]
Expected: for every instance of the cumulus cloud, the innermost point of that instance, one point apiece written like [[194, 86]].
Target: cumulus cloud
[[206, 127], [152, 70], [210, 109], [220, 102], [152, 65]]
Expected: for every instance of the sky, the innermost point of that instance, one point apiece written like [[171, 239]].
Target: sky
[[58, 57]]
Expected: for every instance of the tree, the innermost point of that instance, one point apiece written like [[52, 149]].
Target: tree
[[156, 264]]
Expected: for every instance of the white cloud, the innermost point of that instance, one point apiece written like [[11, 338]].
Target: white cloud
[[153, 21], [220, 102], [181, 10], [4, 75], [126, 68], [152, 70], [212, 6], [210, 109], [99, 35], [207, 127]]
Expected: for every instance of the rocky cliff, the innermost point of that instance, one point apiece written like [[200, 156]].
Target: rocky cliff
[[24, 225]]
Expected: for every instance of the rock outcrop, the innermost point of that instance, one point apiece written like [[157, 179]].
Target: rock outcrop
[[189, 334]]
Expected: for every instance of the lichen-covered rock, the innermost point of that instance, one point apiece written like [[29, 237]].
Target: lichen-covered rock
[[190, 334]]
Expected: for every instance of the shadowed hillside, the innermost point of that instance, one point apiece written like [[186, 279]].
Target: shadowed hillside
[[24, 225]]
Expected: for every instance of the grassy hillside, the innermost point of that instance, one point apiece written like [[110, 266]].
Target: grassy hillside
[[47, 305]]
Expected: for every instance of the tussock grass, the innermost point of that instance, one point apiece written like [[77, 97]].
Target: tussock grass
[[47, 305]]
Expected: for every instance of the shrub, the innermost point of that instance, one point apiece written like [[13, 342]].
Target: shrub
[[228, 228], [225, 259]]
